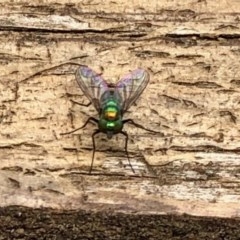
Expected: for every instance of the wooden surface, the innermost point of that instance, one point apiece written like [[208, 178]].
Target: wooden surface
[[191, 50]]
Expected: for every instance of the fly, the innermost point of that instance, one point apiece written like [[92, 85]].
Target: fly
[[111, 102]]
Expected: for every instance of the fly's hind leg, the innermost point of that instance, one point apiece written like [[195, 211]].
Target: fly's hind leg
[[81, 104], [90, 119], [130, 121]]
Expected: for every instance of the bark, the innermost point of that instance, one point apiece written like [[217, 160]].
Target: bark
[[191, 50]]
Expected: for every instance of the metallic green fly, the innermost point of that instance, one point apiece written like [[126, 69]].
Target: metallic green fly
[[111, 102]]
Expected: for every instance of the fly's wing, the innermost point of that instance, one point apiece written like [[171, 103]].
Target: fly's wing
[[92, 85], [129, 88]]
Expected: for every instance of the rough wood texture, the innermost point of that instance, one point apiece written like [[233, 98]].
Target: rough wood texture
[[191, 49]]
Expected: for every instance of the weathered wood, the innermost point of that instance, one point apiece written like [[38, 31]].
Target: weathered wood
[[191, 49]]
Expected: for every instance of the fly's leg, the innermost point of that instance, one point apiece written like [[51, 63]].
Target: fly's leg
[[81, 104], [126, 150], [91, 119], [94, 148], [139, 126]]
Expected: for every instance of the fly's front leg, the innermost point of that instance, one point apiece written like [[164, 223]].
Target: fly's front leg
[[126, 150], [91, 119], [130, 121], [94, 149]]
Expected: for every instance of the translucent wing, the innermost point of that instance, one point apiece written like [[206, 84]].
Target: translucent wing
[[92, 85], [129, 88]]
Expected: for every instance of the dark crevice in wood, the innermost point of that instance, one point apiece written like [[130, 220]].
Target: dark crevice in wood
[[199, 84], [61, 31], [212, 37], [95, 174], [203, 148]]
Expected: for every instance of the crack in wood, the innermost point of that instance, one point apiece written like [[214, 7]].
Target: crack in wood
[[203, 148]]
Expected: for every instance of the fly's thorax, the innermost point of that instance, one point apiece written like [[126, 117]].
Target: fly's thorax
[[110, 121], [110, 127]]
